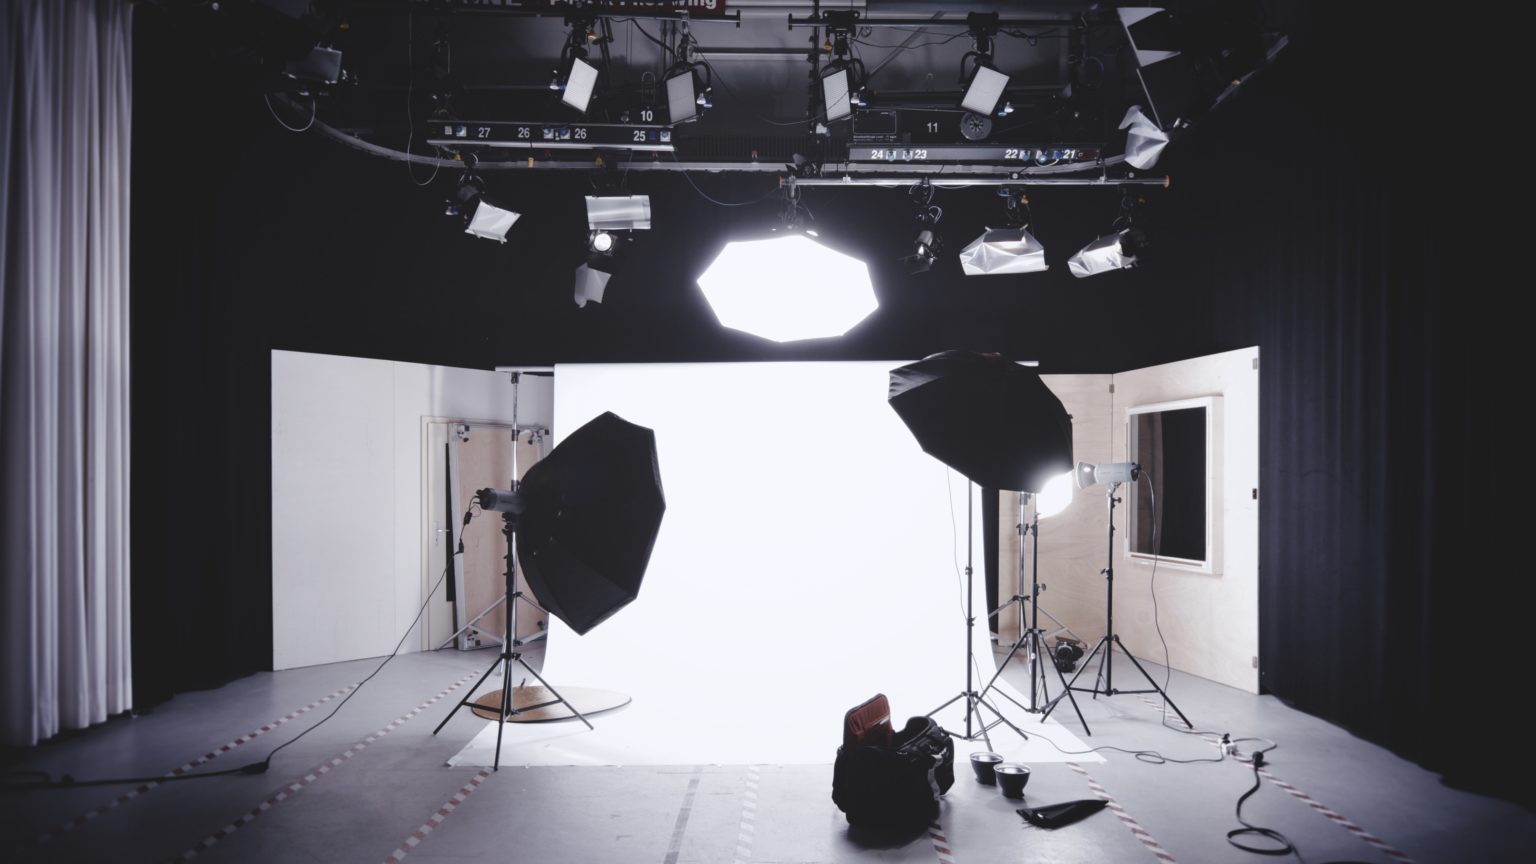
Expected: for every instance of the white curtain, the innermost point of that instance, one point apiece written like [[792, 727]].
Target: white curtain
[[65, 112]]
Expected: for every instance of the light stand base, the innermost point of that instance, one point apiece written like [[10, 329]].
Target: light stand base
[[976, 726], [1104, 682]]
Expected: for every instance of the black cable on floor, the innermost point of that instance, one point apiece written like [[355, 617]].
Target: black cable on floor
[[67, 781]]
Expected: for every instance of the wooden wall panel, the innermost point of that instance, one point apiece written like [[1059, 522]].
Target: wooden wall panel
[[1071, 542]]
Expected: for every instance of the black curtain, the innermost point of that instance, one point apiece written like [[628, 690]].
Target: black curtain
[[1385, 600], [201, 493]]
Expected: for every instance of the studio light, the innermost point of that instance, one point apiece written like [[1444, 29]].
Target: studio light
[[320, 65], [602, 242], [985, 86], [925, 250], [686, 97], [481, 217], [1055, 496], [984, 91], [1106, 472], [834, 94], [1117, 251], [579, 84], [926, 246], [582, 523], [842, 90], [788, 288]]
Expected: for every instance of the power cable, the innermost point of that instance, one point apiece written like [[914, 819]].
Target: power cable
[[260, 766]]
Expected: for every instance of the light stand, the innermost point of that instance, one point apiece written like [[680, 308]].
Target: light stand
[[975, 724], [1033, 636], [510, 647], [1105, 681]]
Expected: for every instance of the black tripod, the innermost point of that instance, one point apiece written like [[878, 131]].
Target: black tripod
[[510, 654], [1033, 636], [975, 725], [1105, 681]]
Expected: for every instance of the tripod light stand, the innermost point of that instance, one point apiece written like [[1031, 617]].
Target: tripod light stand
[[1112, 475], [1033, 636], [995, 422], [511, 506], [976, 726], [582, 523]]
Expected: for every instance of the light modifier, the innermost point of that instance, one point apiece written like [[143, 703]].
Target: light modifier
[[590, 284], [787, 288], [481, 217], [1117, 251], [1001, 251], [619, 212], [491, 222]]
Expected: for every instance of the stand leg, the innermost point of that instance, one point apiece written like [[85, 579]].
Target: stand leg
[[506, 708], [558, 697], [470, 692], [1066, 690], [1160, 691], [1072, 685]]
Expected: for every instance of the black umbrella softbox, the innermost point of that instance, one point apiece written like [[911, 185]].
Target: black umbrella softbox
[[593, 509], [988, 418]]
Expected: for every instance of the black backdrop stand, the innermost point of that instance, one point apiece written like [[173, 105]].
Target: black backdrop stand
[[1104, 683], [510, 654], [975, 724], [1033, 636]]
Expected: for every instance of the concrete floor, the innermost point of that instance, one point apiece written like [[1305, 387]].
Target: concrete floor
[[348, 793]]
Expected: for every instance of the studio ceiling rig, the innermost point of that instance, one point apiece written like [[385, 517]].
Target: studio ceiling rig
[[862, 90]]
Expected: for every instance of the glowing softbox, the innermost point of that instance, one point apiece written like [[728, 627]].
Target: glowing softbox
[[1003, 250], [788, 288]]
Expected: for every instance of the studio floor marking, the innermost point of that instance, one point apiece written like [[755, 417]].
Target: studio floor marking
[[1368, 837], [746, 831], [683, 813], [145, 788], [438, 817], [941, 847], [1137, 831], [298, 786]]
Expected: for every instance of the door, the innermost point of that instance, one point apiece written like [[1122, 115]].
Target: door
[[462, 458]]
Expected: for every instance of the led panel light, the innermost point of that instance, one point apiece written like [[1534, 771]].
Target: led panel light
[[985, 91], [788, 288], [682, 100], [579, 85], [835, 95]]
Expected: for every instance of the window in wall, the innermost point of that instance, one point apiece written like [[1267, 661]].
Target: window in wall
[[1171, 505]]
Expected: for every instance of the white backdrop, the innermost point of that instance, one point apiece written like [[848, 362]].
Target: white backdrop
[[810, 557]]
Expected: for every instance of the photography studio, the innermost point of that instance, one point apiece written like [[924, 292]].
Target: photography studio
[[393, 394]]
